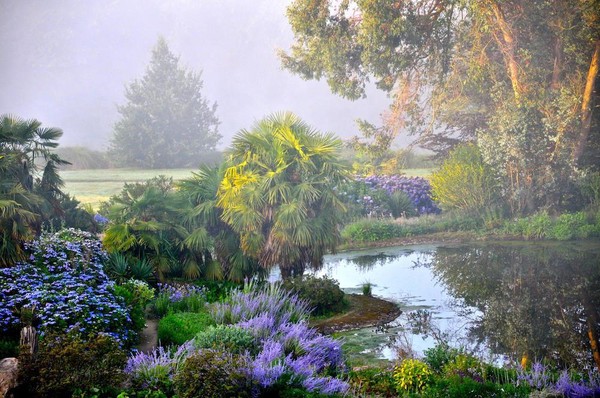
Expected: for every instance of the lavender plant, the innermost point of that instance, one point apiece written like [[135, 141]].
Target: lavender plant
[[65, 286], [288, 347], [155, 370]]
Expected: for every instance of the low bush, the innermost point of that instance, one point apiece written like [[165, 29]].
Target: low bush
[[182, 297], [226, 338], [412, 376], [67, 363], [371, 231], [9, 348], [137, 295], [323, 294], [210, 373], [461, 387], [155, 370], [439, 356], [373, 382], [177, 328]]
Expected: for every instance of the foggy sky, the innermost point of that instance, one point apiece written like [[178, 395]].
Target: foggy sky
[[67, 63]]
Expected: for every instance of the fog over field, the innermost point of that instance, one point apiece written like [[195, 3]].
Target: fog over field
[[67, 62]]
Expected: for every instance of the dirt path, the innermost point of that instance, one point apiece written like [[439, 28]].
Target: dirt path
[[149, 336]]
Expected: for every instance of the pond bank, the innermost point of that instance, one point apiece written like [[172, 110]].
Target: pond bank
[[364, 311]]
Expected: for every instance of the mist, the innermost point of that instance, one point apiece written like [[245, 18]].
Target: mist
[[67, 63]]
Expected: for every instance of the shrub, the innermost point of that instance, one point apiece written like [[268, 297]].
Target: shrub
[[374, 382], [9, 348], [439, 356], [412, 376], [177, 328], [210, 373], [323, 294], [465, 182], [155, 370], [68, 362], [137, 295], [569, 226], [65, 283], [459, 387], [464, 365], [290, 354], [400, 204], [416, 188], [371, 231], [178, 298], [226, 338]]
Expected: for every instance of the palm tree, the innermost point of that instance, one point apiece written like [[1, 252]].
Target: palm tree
[[29, 195], [278, 193], [144, 224], [202, 217]]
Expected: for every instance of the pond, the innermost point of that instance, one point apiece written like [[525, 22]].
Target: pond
[[502, 300]]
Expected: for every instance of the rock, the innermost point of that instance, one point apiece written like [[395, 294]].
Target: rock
[[9, 368]]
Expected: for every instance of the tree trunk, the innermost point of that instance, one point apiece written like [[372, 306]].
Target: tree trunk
[[593, 322], [507, 44], [586, 104]]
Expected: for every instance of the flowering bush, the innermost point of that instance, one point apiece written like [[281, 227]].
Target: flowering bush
[[65, 286], [417, 189], [288, 347], [384, 196], [178, 298], [540, 378], [155, 370]]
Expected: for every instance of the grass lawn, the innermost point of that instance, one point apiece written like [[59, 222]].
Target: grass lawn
[[96, 186]]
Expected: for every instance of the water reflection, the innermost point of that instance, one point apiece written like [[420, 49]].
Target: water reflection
[[527, 300], [535, 300]]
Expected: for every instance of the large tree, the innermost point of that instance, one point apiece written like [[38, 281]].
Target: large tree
[[166, 122], [278, 193], [519, 77]]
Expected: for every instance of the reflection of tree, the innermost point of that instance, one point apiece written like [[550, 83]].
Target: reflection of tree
[[537, 302]]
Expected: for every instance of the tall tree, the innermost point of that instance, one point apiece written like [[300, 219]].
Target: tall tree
[[29, 183], [519, 77], [166, 122], [279, 193]]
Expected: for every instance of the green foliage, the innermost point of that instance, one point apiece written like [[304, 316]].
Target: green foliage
[[226, 338], [73, 215], [485, 77], [439, 356], [177, 328], [464, 182], [211, 373], [217, 291], [465, 366], [400, 204], [590, 188], [460, 387], [166, 122], [323, 294], [367, 289], [137, 295], [412, 375], [67, 363], [9, 348], [373, 382], [371, 231], [564, 227]]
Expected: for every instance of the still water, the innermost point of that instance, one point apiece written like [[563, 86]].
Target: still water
[[499, 300]]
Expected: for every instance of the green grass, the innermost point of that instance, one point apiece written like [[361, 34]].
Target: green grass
[[96, 186]]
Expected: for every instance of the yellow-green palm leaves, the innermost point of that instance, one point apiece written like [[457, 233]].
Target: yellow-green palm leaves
[[278, 192]]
